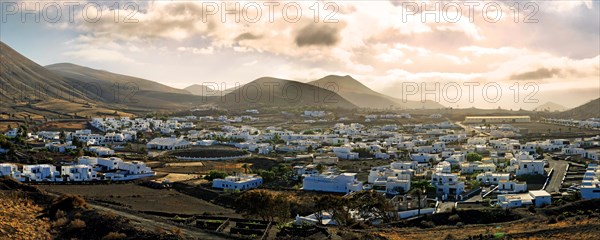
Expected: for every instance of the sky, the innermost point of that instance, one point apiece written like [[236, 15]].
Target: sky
[[485, 54]]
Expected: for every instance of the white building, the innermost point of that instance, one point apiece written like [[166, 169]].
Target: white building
[[536, 198], [590, 186], [241, 183], [10, 169], [489, 178], [78, 172], [524, 167], [40, 172], [471, 167], [345, 153], [168, 144], [512, 186], [447, 185], [343, 183], [101, 151]]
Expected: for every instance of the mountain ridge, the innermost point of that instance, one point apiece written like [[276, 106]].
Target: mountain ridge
[[363, 96]]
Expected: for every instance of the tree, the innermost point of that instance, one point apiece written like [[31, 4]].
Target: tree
[[268, 176], [212, 175], [539, 151], [320, 168], [264, 204], [332, 204], [418, 192], [473, 157], [246, 167], [371, 204]]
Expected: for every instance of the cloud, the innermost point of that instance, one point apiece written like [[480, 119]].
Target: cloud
[[246, 36], [317, 35], [541, 73], [198, 51]]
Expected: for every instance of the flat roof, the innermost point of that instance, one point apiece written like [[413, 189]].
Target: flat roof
[[539, 193]]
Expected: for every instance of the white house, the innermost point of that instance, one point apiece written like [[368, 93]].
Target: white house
[[10, 169], [135, 168], [529, 167], [343, 183], [242, 182], [590, 185], [447, 185], [505, 186], [424, 157], [40, 172], [536, 198], [101, 151], [78, 172], [471, 167], [12, 133], [345, 153], [60, 147], [488, 178]]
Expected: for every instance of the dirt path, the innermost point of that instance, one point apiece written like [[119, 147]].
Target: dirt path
[[152, 224], [155, 224]]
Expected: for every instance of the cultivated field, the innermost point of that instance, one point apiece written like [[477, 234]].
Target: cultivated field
[[142, 198]]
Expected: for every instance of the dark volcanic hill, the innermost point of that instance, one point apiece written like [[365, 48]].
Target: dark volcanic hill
[[585, 111], [362, 96], [203, 90], [274, 92], [112, 88], [24, 81]]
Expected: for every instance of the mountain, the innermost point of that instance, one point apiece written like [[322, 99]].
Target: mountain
[[550, 107], [23, 81], [362, 96], [585, 111], [203, 90], [132, 92], [275, 92]]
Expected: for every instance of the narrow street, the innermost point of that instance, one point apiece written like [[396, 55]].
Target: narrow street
[[560, 169]]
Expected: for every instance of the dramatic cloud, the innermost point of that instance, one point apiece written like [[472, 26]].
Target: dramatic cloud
[[541, 73], [314, 34], [381, 43]]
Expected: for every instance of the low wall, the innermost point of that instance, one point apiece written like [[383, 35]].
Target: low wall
[[415, 212], [212, 159]]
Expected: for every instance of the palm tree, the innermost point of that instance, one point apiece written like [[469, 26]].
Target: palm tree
[[320, 168], [245, 167], [418, 192]]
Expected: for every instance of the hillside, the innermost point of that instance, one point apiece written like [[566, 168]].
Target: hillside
[[202, 90], [362, 96], [585, 111], [131, 92], [550, 107], [24, 81], [274, 92]]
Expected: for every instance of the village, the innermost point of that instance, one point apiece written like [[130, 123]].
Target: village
[[414, 169]]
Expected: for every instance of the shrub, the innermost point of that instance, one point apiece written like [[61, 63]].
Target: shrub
[[460, 224], [552, 220], [114, 235], [449, 237], [454, 218], [60, 222], [77, 224], [427, 224], [531, 208]]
